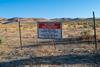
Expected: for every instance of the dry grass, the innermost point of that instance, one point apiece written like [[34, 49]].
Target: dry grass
[[10, 35]]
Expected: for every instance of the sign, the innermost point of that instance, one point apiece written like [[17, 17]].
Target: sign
[[49, 30]]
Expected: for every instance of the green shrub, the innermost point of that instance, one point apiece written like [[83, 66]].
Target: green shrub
[[0, 41]]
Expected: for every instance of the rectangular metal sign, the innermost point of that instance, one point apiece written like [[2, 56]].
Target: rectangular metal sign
[[50, 30]]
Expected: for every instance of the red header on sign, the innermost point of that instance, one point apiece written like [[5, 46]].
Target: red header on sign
[[49, 25]]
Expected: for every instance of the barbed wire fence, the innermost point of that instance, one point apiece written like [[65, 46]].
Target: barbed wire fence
[[30, 45]]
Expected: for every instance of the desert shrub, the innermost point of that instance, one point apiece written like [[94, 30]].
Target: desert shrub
[[86, 34], [0, 41]]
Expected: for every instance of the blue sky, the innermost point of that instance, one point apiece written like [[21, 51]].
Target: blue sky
[[49, 8]]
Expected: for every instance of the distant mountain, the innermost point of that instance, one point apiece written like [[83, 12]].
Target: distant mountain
[[69, 19], [16, 19], [27, 20], [61, 19]]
